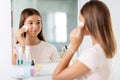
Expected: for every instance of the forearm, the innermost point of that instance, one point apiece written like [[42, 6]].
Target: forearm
[[20, 36], [76, 38], [14, 58], [64, 63]]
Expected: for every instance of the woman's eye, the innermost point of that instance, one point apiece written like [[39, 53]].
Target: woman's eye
[[30, 23], [38, 22]]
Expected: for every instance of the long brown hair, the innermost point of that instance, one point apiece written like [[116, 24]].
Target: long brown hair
[[29, 12], [98, 21]]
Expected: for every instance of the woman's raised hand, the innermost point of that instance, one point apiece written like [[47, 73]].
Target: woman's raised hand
[[20, 35], [76, 37]]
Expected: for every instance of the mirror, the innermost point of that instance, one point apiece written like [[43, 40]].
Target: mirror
[[59, 18]]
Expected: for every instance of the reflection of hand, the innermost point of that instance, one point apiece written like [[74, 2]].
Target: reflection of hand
[[76, 37], [20, 36]]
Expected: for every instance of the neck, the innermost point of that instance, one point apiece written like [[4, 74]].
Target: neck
[[94, 40], [32, 40]]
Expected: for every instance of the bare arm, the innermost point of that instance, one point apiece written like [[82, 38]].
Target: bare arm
[[14, 54], [20, 37], [65, 72]]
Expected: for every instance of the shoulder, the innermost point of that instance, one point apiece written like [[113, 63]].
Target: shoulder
[[95, 50], [92, 56], [48, 45]]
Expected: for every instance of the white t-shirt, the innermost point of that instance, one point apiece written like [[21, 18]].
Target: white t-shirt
[[95, 59], [43, 52]]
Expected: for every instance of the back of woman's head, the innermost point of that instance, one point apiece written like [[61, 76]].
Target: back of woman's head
[[29, 12], [98, 21]]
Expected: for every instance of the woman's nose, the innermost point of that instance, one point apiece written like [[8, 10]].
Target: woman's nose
[[35, 26]]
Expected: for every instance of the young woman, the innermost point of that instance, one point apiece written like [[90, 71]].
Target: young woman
[[92, 63], [32, 37]]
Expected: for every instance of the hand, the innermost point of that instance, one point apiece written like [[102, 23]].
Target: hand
[[76, 37], [20, 36]]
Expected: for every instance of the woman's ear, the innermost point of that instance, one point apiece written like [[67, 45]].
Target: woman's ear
[[86, 31]]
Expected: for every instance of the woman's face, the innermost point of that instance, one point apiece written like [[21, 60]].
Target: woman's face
[[34, 25]]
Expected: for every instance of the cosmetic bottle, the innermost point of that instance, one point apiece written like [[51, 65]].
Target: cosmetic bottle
[[27, 65], [32, 71], [20, 62]]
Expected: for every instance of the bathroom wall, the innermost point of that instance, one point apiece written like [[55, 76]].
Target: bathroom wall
[[5, 40], [115, 15]]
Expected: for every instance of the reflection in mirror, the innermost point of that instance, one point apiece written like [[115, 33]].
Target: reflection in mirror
[[59, 18]]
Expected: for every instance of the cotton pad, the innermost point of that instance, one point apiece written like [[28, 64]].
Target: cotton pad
[[26, 28], [81, 24]]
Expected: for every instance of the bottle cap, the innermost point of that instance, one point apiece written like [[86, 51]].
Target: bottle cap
[[32, 62]]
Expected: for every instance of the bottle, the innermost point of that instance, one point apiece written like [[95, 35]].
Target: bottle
[[27, 64], [19, 56], [20, 62], [32, 71], [62, 50]]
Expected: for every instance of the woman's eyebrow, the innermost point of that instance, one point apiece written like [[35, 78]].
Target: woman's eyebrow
[[39, 20]]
